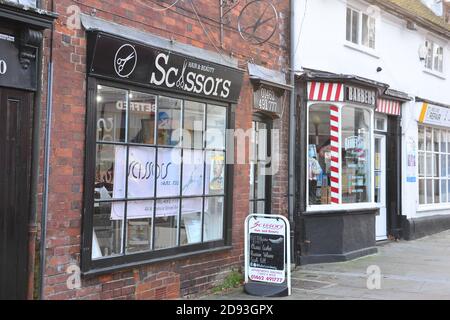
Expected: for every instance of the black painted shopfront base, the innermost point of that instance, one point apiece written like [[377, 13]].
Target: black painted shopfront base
[[269, 290], [337, 236], [417, 228]]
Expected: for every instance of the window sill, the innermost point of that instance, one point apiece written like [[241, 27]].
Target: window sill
[[362, 49], [437, 74], [341, 208], [432, 207], [105, 270]]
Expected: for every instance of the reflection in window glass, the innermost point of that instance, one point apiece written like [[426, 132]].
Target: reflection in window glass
[[193, 124], [216, 124], [141, 171], [422, 191], [107, 232], [356, 145], [111, 114], [139, 231], [191, 221], [168, 172], [421, 138], [105, 169], [319, 155], [142, 118], [213, 226], [166, 223], [169, 113], [193, 171]]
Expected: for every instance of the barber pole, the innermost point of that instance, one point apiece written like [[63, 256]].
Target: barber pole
[[334, 133]]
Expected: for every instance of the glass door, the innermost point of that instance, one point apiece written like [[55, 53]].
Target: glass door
[[380, 187], [260, 199]]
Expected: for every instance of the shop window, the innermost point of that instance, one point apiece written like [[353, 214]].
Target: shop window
[[356, 151], [260, 182], [159, 179], [319, 155], [360, 28], [339, 175], [434, 165]]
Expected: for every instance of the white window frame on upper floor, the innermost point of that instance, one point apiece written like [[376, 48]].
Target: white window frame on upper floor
[[349, 41], [430, 62]]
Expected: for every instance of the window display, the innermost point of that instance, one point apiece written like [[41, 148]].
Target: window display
[[339, 176], [319, 155], [356, 147], [167, 194]]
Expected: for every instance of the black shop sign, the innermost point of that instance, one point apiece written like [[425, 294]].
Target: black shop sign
[[119, 59], [361, 96], [12, 73]]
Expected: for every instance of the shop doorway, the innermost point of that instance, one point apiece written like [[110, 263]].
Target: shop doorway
[[260, 152], [380, 187], [15, 176]]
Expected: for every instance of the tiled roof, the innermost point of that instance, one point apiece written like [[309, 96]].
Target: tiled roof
[[419, 9]]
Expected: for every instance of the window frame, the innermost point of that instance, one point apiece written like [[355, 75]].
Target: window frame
[[359, 44], [434, 46], [432, 177], [124, 260], [342, 206]]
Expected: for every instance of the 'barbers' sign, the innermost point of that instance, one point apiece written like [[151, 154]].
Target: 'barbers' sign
[[124, 60], [361, 96]]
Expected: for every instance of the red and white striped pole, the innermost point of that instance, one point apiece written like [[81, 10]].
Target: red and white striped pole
[[334, 134]]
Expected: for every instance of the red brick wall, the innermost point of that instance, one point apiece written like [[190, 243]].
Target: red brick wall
[[181, 278]]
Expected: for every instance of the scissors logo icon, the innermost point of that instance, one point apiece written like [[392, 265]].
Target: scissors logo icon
[[125, 60]]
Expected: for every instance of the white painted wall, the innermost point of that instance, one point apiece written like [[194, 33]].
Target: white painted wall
[[320, 27]]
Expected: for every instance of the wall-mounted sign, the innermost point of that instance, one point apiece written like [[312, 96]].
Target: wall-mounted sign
[[267, 100], [411, 160], [116, 58], [267, 254], [12, 74], [434, 115], [360, 95]]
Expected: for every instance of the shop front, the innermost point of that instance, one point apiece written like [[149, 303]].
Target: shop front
[[158, 185], [342, 166], [270, 91], [21, 37], [427, 140]]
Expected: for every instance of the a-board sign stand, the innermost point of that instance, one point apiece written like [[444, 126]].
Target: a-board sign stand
[[267, 256]]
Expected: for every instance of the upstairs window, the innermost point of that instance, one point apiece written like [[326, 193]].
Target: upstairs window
[[435, 56], [360, 28]]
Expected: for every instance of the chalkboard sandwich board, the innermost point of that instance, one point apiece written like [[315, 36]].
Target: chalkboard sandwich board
[[267, 259]]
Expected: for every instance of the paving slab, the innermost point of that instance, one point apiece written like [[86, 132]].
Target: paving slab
[[409, 270]]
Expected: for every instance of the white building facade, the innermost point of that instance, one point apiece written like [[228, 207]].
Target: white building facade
[[401, 54]]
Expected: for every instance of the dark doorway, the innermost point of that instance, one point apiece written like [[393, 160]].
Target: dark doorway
[[15, 167]]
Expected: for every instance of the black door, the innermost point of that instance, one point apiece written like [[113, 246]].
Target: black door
[[15, 167]]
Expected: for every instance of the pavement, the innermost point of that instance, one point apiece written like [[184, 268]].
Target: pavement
[[409, 270]]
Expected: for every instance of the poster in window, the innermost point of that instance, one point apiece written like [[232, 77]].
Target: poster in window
[[217, 172], [141, 182]]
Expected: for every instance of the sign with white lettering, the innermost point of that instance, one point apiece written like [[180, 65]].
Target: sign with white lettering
[[434, 115], [266, 99], [361, 96], [266, 250], [119, 59]]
